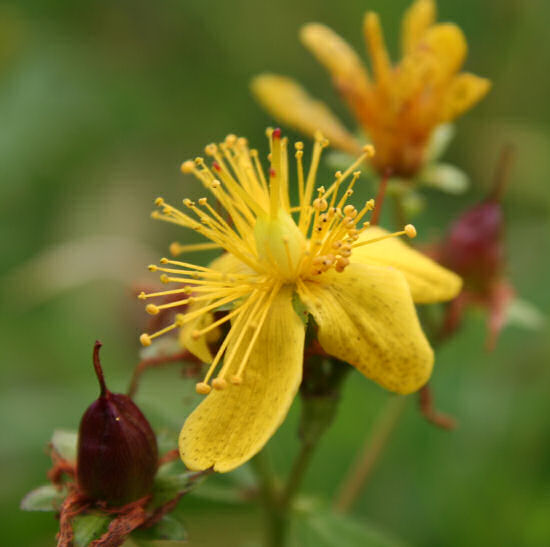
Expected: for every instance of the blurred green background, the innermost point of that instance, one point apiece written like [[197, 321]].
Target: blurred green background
[[100, 102]]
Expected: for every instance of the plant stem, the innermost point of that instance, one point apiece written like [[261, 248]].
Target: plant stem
[[374, 445], [301, 463]]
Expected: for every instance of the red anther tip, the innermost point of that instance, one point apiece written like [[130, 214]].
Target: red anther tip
[[277, 133], [272, 172], [216, 166]]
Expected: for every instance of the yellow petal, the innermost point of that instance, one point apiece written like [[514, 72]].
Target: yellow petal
[[376, 45], [289, 103], [464, 91], [366, 317], [447, 45], [197, 346], [416, 21], [230, 426], [226, 263], [336, 55], [428, 281]]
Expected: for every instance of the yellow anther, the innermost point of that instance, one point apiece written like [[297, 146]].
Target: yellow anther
[[299, 145], [219, 383], [202, 388], [337, 244], [366, 224], [159, 202], [164, 260], [195, 335], [142, 295], [145, 340], [410, 230], [164, 278], [174, 248], [152, 267], [151, 309], [236, 380], [199, 161], [338, 175], [187, 202], [369, 150], [320, 204], [370, 204], [187, 166], [215, 184], [202, 202], [230, 139], [341, 263], [350, 211], [210, 149], [180, 320]]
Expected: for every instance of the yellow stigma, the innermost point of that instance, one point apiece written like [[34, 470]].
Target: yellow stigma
[[274, 243]]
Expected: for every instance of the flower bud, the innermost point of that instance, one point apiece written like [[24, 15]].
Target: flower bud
[[117, 449], [474, 248]]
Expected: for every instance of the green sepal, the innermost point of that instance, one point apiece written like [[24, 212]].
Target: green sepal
[[44, 498], [88, 527], [65, 444]]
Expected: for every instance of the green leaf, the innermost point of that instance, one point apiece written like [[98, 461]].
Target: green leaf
[[65, 443], [89, 527], [43, 498], [525, 314], [441, 137], [325, 529], [445, 177], [168, 486]]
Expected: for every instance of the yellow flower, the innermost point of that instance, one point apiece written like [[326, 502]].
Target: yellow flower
[[358, 283], [398, 106]]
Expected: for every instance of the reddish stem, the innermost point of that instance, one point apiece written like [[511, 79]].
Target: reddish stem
[[428, 410], [99, 370], [379, 201], [502, 172]]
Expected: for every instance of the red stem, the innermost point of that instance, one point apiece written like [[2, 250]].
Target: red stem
[[99, 370]]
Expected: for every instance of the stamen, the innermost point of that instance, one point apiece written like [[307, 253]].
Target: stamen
[[177, 249], [409, 230]]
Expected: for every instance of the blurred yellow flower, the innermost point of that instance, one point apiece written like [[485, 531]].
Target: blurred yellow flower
[[398, 106], [358, 282]]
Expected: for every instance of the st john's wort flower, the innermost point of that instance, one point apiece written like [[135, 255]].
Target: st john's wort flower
[[398, 106], [357, 282]]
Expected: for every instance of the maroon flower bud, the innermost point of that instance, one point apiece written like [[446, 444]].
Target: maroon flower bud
[[117, 449], [474, 248]]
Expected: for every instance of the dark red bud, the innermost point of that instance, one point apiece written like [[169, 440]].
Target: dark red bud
[[474, 247], [117, 449], [276, 133], [272, 172], [216, 166]]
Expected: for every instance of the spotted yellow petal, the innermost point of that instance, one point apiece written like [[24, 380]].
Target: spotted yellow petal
[[464, 91], [366, 317], [417, 19], [290, 103], [428, 281], [230, 426]]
